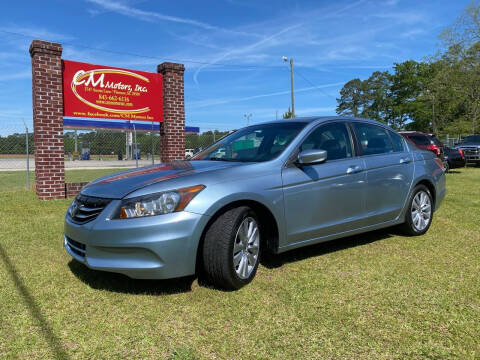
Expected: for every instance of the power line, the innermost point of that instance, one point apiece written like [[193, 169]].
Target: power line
[[315, 86], [148, 56]]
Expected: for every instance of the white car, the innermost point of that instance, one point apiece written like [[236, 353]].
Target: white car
[[188, 153]]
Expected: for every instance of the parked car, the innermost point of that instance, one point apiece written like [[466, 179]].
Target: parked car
[[471, 148], [454, 158], [275, 187], [189, 153], [425, 141]]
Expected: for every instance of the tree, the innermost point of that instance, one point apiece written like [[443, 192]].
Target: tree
[[377, 88], [353, 98], [288, 114], [465, 31]]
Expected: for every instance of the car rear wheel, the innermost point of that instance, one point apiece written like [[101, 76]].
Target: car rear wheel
[[419, 212], [231, 249]]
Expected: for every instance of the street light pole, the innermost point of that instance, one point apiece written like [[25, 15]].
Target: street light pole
[[247, 116], [291, 84]]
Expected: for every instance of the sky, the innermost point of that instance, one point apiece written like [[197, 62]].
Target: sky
[[232, 49]]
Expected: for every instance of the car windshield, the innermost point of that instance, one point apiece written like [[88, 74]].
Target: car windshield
[[474, 139], [254, 143]]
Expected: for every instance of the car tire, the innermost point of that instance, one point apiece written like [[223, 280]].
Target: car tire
[[231, 249], [419, 213], [447, 166]]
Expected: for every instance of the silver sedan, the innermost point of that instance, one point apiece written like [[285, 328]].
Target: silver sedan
[[266, 188]]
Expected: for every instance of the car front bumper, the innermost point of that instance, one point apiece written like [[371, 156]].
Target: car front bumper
[[157, 247]]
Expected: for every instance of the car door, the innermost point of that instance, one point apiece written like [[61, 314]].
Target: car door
[[389, 168], [327, 198]]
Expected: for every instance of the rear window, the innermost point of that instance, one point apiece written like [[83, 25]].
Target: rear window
[[420, 139], [435, 141]]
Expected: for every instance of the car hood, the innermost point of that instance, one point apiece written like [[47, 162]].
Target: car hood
[[118, 185], [471, 146]]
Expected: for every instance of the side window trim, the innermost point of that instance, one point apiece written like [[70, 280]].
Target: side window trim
[[357, 149], [390, 132]]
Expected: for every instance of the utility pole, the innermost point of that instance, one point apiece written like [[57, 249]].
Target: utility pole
[[291, 84], [135, 146], [247, 116]]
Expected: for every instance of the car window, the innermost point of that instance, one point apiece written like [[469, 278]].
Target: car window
[[254, 143], [373, 139], [397, 141], [333, 138], [434, 140], [472, 139], [420, 139]]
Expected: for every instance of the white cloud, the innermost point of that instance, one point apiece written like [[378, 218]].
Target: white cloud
[[36, 32], [18, 75], [218, 101], [153, 16]]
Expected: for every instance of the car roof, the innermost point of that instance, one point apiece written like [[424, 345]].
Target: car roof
[[320, 119]]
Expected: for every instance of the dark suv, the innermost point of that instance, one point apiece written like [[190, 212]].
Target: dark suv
[[425, 141], [471, 148]]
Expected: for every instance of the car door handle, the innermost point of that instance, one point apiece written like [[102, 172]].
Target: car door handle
[[405, 160], [354, 169]]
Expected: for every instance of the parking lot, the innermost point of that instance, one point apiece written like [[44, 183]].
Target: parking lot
[[19, 164], [376, 295]]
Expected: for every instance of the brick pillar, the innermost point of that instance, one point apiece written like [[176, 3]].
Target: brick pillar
[[48, 119], [173, 127]]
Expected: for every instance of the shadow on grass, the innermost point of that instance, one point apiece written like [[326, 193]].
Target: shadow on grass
[[103, 280], [120, 283], [275, 261], [47, 332]]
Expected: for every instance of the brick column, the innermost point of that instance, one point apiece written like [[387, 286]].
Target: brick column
[[173, 127], [48, 119]]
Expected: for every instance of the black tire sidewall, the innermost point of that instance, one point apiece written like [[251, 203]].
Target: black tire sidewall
[[239, 282]]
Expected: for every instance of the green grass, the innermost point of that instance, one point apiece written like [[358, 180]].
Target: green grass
[[16, 180], [378, 295]]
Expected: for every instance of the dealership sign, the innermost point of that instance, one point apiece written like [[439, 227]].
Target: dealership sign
[[109, 97]]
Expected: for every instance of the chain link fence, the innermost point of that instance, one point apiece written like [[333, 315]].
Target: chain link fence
[[110, 148], [90, 149], [16, 147], [451, 141]]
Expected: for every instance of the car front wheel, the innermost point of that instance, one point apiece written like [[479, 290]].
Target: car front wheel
[[231, 248], [419, 213]]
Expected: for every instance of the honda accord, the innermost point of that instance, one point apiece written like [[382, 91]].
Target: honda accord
[[266, 188]]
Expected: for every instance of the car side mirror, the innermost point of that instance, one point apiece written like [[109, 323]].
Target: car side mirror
[[310, 157]]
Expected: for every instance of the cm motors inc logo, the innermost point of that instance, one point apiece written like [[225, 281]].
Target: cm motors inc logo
[[110, 95]]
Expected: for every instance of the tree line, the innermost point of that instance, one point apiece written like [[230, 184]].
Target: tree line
[[440, 94], [106, 142]]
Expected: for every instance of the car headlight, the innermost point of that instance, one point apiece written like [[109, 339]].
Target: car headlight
[[158, 204]]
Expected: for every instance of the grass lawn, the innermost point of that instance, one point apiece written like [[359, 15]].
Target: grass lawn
[[16, 180], [378, 295]]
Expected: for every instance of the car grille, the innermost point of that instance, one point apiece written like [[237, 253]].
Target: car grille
[[76, 247], [87, 208], [470, 151]]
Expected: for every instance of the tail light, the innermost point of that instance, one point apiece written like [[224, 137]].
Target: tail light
[[435, 149], [439, 162], [461, 153]]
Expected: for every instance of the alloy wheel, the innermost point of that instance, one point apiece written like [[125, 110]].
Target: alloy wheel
[[246, 248], [421, 210]]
